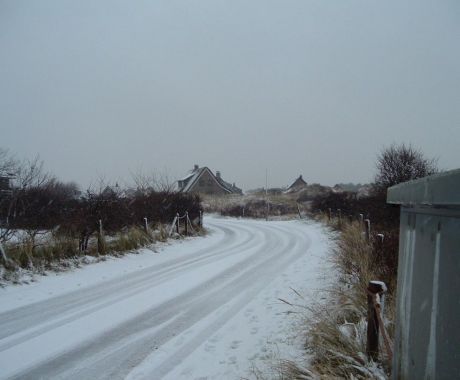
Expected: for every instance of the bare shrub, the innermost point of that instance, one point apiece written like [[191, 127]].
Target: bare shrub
[[401, 163]]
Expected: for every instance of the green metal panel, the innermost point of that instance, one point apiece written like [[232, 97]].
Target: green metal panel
[[427, 342], [437, 190]]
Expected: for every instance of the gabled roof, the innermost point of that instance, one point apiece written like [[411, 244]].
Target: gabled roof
[[194, 175], [229, 186], [298, 183]]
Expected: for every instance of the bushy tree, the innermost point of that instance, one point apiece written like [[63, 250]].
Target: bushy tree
[[401, 163]]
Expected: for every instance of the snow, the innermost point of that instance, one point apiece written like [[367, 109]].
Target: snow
[[382, 285], [203, 308]]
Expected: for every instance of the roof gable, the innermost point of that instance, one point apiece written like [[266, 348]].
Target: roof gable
[[299, 182], [192, 180]]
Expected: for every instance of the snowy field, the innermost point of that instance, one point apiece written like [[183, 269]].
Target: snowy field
[[203, 308]]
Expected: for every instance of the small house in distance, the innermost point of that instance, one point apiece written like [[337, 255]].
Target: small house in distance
[[297, 185], [202, 180]]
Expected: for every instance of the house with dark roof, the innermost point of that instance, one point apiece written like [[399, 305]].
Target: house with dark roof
[[202, 180], [297, 185]]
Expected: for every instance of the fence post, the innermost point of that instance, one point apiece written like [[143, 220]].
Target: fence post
[[146, 225], [186, 223], [298, 209], [339, 214], [2, 252], [367, 226], [177, 223], [101, 248], [329, 214], [361, 219], [381, 237], [373, 290]]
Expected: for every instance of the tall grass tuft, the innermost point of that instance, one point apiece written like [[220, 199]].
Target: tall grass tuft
[[131, 239], [336, 335]]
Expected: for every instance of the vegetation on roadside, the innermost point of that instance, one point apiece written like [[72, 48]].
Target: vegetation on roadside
[[336, 330], [45, 222]]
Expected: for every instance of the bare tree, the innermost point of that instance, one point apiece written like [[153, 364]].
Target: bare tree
[[9, 167], [8, 164], [158, 181], [401, 163], [28, 177]]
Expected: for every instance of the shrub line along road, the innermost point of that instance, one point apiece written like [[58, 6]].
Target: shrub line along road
[[123, 327]]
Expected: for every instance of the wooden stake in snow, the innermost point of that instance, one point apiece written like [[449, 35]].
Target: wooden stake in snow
[[186, 223], [367, 226], [146, 225], [373, 290], [101, 248], [375, 304], [2, 252]]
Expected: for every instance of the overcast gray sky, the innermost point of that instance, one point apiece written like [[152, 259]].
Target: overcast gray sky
[[102, 88]]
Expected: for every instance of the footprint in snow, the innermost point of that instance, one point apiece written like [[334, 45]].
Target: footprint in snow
[[235, 344], [209, 348], [215, 339], [232, 360], [248, 312]]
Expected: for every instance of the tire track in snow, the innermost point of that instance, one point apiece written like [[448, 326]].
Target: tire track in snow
[[94, 298], [113, 353]]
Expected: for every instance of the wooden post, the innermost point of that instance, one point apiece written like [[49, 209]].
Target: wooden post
[[200, 220], [298, 209], [361, 219], [329, 214], [339, 214], [3, 254], [146, 225], [186, 223], [101, 248], [367, 226], [177, 223], [374, 289]]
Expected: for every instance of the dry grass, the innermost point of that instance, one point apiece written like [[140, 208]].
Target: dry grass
[[59, 252], [282, 370], [336, 331], [131, 239]]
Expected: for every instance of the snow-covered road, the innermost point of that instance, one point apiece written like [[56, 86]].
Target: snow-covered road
[[199, 309]]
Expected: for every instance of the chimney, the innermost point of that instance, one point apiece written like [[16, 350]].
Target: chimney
[[195, 167], [218, 174]]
